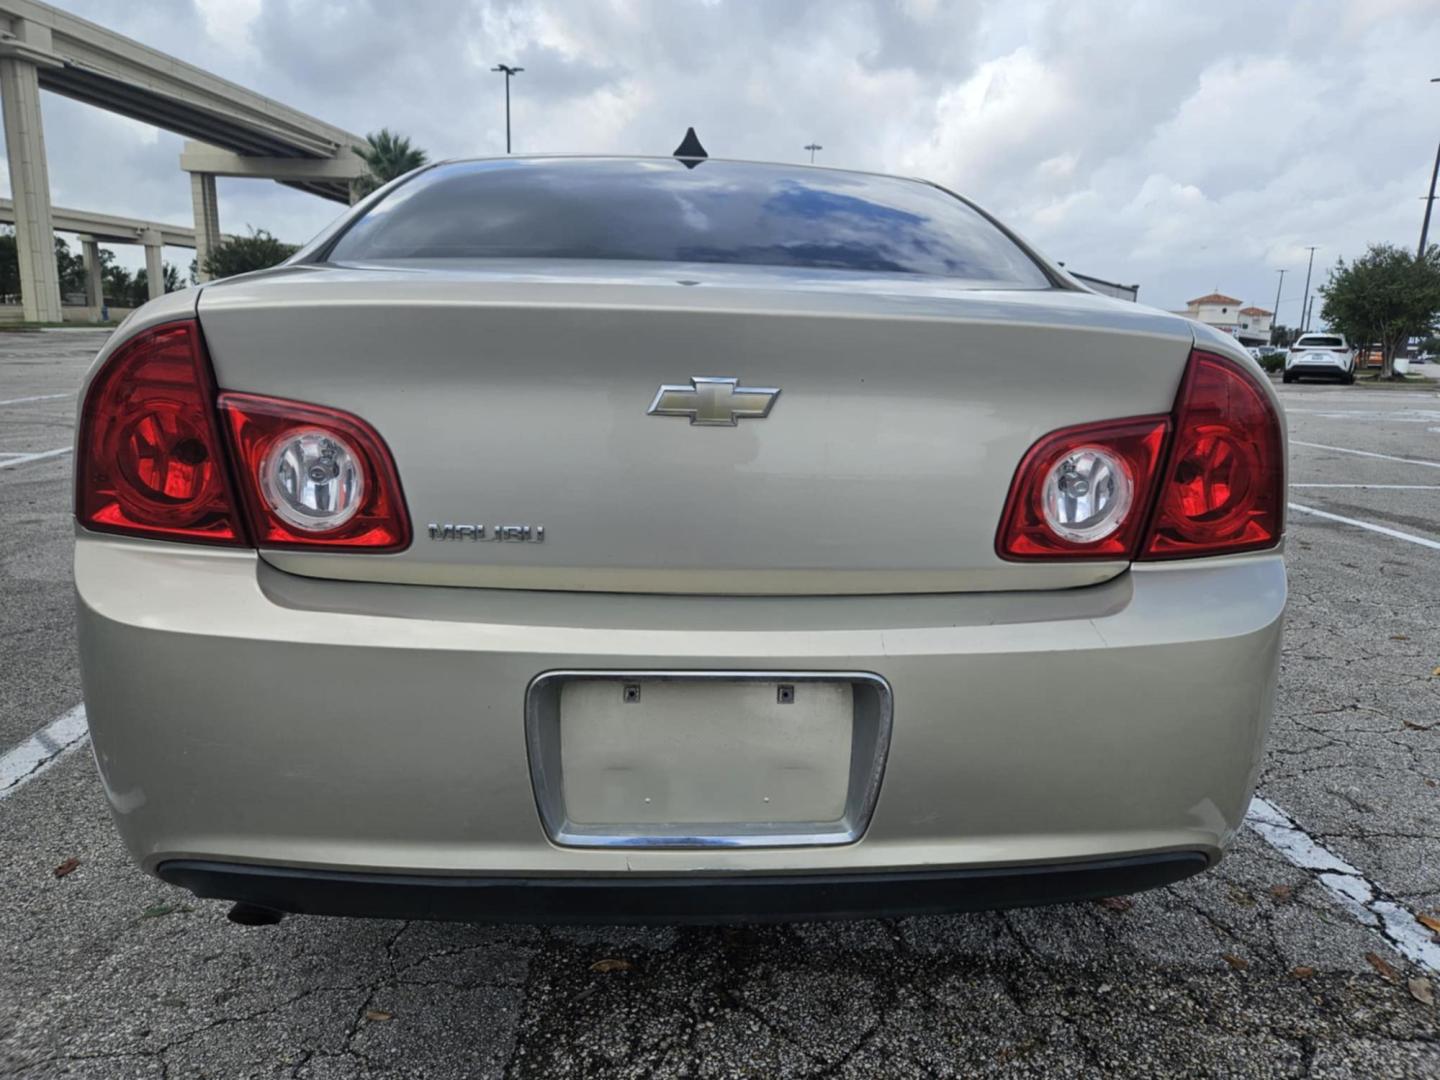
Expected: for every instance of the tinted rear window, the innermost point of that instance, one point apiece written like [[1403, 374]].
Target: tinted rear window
[[717, 212], [1313, 342]]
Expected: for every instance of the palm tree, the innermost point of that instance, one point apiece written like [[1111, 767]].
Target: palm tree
[[386, 156]]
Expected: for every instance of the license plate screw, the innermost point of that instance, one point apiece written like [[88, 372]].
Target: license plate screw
[[632, 693], [785, 694]]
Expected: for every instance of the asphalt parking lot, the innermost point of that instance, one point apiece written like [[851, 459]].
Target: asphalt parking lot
[[1301, 955]]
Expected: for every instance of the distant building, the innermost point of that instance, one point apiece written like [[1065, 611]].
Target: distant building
[[1248, 325], [1255, 323]]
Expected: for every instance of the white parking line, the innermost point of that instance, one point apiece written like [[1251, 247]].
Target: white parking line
[[1367, 453], [25, 459], [1383, 530], [1375, 487], [37, 753], [37, 397], [1356, 893]]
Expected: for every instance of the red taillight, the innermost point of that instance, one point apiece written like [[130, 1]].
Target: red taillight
[[150, 459], [314, 476], [1224, 486], [1034, 525], [1220, 489]]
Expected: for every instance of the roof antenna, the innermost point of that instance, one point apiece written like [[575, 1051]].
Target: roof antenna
[[690, 152]]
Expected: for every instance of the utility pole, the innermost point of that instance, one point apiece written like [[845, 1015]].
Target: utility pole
[[1275, 315], [1305, 301], [1308, 309], [1429, 201], [508, 71], [812, 147]]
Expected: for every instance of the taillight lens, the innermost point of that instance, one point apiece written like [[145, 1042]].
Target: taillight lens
[[314, 476], [150, 460], [1224, 487], [1087, 491], [1083, 492]]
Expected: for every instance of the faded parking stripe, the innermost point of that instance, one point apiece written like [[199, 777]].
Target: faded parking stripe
[[1369, 526], [1366, 453], [1356, 893], [41, 750], [25, 459]]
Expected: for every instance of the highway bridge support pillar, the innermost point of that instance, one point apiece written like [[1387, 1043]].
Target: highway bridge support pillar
[[154, 264], [207, 219], [20, 57], [94, 276]]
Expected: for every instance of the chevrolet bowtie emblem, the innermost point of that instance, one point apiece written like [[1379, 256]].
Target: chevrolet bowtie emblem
[[714, 402]]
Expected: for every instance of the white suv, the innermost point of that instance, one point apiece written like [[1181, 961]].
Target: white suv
[[1328, 355]]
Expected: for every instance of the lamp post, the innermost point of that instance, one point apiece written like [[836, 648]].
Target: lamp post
[[812, 147], [1429, 201], [508, 71], [1304, 302], [1275, 315]]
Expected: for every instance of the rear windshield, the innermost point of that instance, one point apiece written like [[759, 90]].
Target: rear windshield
[[715, 212], [1316, 342]]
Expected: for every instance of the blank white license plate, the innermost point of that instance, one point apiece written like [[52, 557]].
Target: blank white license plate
[[704, 751]]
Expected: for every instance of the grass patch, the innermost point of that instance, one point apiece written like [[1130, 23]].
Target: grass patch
[[33, 327], [1412, 381]]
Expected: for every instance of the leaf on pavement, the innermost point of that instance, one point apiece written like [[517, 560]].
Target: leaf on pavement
[[1116, 903], [1422, 990], [1436, 671], [610, 964], [378, 1016], [1302, 972], [1239, 963], [1281, 893], [1430, 920], [66, 868], [1399, 637], [1384, 967], [160, 910]]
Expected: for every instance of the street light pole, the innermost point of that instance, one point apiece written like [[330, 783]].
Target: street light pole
[[1304, 308], [1275, 315], [1429, 201], [812, 147], [508, 71]]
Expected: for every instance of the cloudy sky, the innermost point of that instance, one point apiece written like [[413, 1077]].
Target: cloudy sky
[[1185, 147]]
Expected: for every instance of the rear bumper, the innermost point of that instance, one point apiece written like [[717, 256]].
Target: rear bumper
[[610, 900], [248, 717], [1332, 371]]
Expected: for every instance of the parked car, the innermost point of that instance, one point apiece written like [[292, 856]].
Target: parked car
[[1325, 355], [652, 539]]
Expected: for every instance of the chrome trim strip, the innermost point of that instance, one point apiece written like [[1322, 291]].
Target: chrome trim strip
[[870, 749]]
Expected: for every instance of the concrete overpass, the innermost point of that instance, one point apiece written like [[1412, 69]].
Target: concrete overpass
[[94, 228], [237, 132]]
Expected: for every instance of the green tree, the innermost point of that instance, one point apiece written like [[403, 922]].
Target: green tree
[[386, 156], [140, 286], [9, 267], [71, 269], [115, 280], [241, 254], [1283, 336], [1385, 297]]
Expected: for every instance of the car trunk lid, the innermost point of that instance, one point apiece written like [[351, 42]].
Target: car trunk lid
[[514, 398]]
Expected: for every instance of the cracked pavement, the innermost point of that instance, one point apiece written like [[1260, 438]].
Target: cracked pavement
[[1254, 969]]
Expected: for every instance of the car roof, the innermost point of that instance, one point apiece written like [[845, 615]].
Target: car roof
[[799, 166]]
